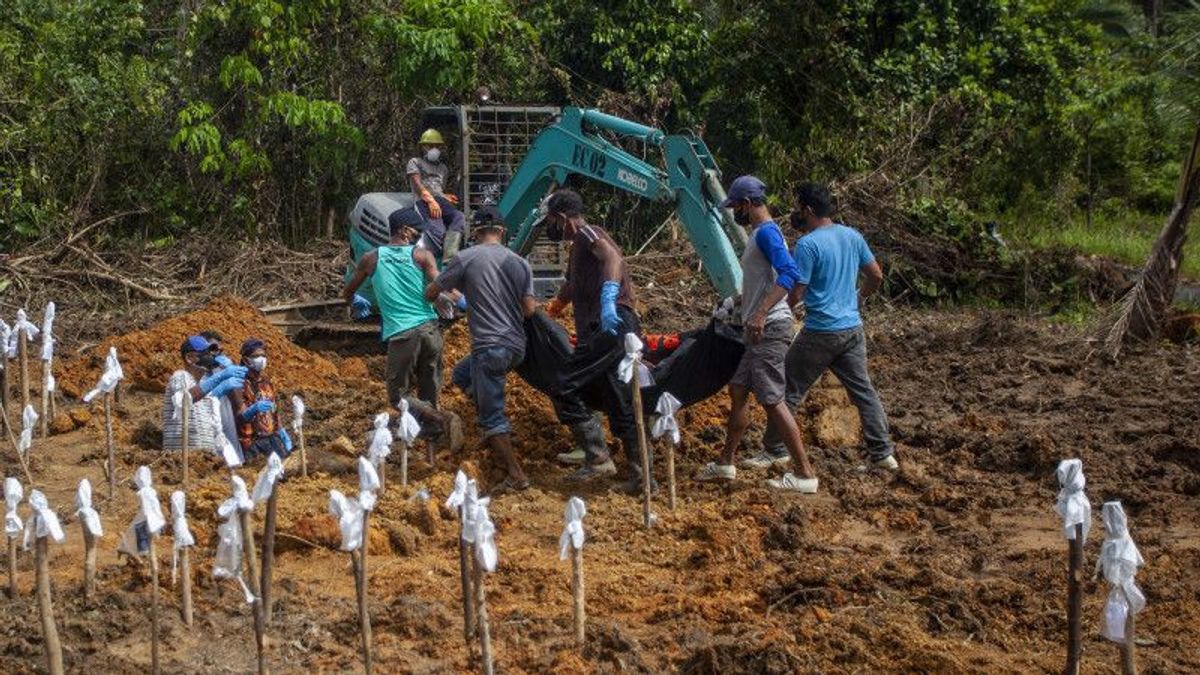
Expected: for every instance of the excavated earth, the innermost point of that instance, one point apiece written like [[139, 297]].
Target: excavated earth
[[955, 564]]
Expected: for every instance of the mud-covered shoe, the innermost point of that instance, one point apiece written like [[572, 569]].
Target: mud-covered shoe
[[793, 483], [575, 456], [888, 463], [510, 485], [765, 460], [712, 472], [452, 431], [590, 472]]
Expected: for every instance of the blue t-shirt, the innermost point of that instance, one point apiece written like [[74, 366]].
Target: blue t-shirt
[[828, 260]]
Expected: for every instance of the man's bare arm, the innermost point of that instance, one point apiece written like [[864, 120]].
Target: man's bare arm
[[610, 257], [364, 269], [528, 306], [872, 280]]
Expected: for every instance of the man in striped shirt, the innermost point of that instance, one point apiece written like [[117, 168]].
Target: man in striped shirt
[[207, 388]]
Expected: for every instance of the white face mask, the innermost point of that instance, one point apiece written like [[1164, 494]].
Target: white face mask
[[258, 363], [433, 154]]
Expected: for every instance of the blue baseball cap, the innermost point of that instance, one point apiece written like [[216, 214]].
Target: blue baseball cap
[[743, 188], [407, 217], [196, 343]]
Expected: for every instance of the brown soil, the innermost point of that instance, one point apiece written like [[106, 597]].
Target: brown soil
[[955, 564]]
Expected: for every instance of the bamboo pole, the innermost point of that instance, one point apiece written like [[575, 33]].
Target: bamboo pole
[[252, 573], [185, 566], [303, 453], [154, 632], [577, 595], [670, 475], [1129, 648], [111, 467], [5, 363], [12, 567], [364, 615], [464, 573], [23, 358], [643, 450], [481, 620], [403, 466], [268, 559], [1075, 601], [16, 448], [186, 439], [89, 561], [46, 414], [51, 645]]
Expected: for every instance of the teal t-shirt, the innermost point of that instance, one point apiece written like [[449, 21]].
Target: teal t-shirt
[[828, 260], [400, 291]]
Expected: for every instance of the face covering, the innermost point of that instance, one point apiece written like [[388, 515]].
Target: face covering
[[258, 363], [554, 230], [433, 154], [741, 216], [207, 360]]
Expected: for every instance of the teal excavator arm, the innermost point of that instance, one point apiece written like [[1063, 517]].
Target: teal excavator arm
[[691, 181]]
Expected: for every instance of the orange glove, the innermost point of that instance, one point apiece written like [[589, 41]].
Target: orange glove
[[435, 211], [555, 307]]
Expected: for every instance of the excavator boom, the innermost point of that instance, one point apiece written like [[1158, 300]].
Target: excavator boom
[[690, 181]]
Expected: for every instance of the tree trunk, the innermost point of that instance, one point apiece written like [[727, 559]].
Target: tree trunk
[[1144, 309]]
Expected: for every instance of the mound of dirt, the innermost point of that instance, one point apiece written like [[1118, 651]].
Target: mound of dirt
[[150, 356]]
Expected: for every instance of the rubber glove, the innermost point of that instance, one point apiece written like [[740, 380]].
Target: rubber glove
[[209, 382], [609, 321], [287, 440], [462, 303], [360, 307], [224, 361], [258, 408], [226, 386]]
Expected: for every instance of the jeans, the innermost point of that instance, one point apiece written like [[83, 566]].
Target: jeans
[[845, 353], [482, 376], [418, 351], [592, 368]]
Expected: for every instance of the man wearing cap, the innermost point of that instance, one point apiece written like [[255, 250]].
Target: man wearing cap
[[260, 432], [427, 176], [207, 386], [831, 259], [398, 273], [598, 286], [497, 286], [768, 275]]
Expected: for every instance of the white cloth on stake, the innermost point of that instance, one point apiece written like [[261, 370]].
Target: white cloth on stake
[[48, 332], [1073, 504], [455, 500], [297, 413], [231, 455], [1119, 561], [572, 534], [43, 521], [6, 333], [267, 478], [381, 441], [368, 484], [179, 528], [14, 336], [29, 420], [349, 514], [483, 535], [665, 423], [227, 564], [149, 509], [13, 494], [407, 424], [84, 509], [633, 362], [112, 375]]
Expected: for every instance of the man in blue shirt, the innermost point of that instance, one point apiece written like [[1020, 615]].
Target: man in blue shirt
[[768, 276], [830, 257]]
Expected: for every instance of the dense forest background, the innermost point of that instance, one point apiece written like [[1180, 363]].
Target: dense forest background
[[252, 118]]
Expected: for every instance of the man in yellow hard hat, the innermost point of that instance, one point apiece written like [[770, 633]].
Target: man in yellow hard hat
[[427, 176]]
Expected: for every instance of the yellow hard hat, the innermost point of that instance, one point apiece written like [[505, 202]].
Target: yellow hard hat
[[431, 137]]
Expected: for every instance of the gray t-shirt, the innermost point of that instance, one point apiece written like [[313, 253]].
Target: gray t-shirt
[[433, 175], [495, 281], [759, 275]]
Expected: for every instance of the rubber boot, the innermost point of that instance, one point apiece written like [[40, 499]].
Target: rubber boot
[[502, 450], [589, 435], [633, 486], [443, 427]]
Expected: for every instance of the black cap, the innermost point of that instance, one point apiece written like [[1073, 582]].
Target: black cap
[[406, 217], [487, 216], [251, 344]]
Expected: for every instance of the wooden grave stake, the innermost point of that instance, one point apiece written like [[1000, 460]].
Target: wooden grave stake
[[1074, 601], [23, 359], [571, 542], [154, 632], [110, 465], [253, 575], [12, 567], [182, 545], [268, 480], [364, 615], [643, 448], [481, 620], [45, 526], [88, 517]]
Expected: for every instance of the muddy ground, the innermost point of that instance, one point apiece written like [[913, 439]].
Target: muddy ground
[[955, 564]]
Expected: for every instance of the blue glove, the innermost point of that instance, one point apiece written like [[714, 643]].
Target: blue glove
[[209, 382], [360, 307], [227, 385], [462, 303], [609, 321], [224, 361], [258, 408], [287, 440]]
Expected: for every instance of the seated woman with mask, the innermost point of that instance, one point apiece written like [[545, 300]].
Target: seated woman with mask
[[208, 386], [259, 428]]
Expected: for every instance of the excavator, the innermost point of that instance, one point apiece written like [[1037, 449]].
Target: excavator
[[514, 157]]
